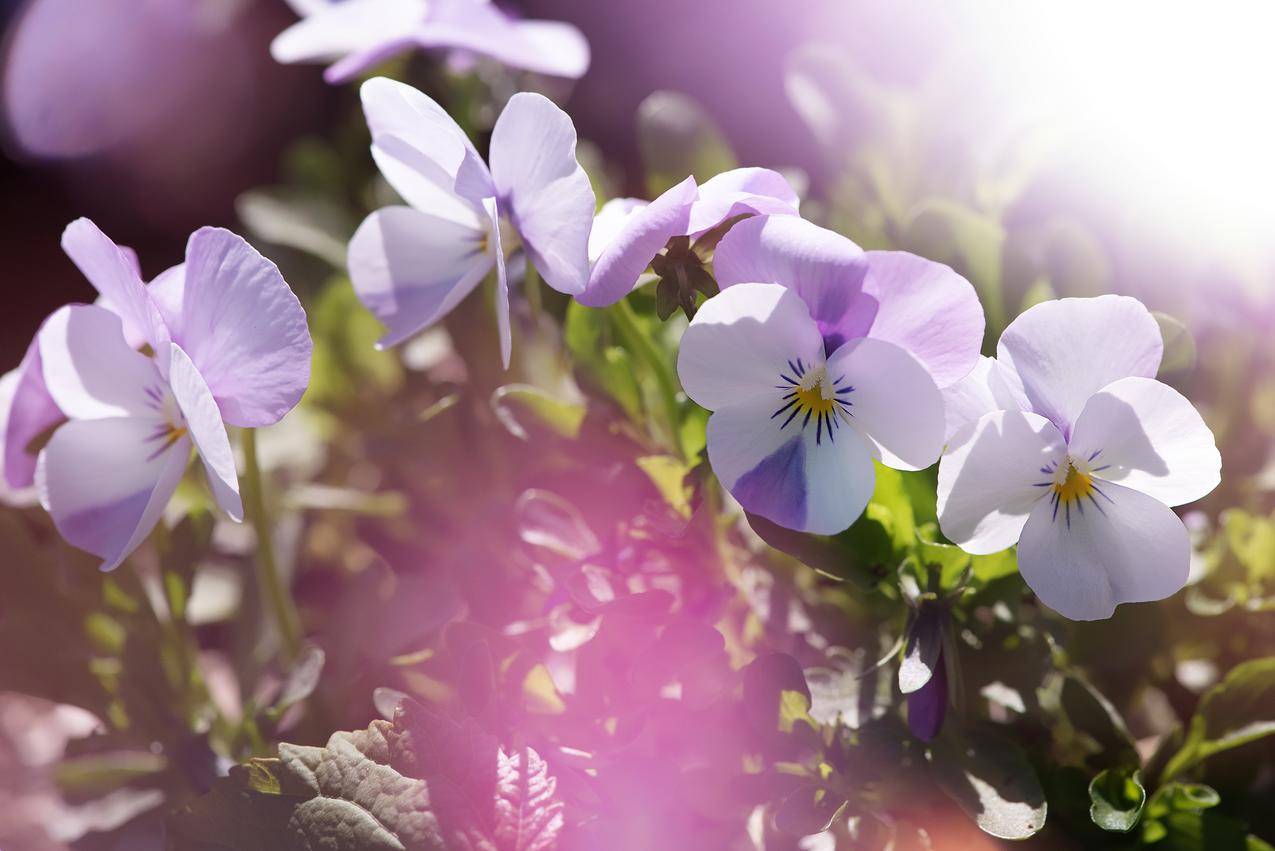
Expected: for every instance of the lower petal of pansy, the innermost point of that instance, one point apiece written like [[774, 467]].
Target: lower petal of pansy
[[1086, 555], [891, 399], [1147, 436], [988, 387], [106, 482], [28, 412], [206, 429], [990, 483], [410, 268]]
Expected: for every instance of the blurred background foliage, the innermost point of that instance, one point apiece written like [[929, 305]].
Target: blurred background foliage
[[524, 592]]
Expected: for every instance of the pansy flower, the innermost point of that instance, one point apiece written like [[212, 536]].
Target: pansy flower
[[817, 358], [628, 233], [1083, 460], [223, 341], [410, 265], [355, 35]]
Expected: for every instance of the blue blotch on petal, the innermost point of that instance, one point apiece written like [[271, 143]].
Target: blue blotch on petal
[[776, 487]]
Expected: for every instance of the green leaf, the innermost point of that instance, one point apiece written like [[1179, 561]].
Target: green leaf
[[1236, 711], [1208, 832], [1179, 345], [807, 810], [1091, 713], [522, 406], [844, 556], [677, 138], [776, 697], [1118, 797], [965, 239], [668, 474], [991, 780], [891, 506], [1188, 797], [586, 332]]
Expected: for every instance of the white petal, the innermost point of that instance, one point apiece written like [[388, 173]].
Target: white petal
[[106, 482], [740, 342], [990, 483], [1122, 547], [1147, 436], [330, 31], [89, 368], [786, 473], [610, 221], [203, 419], [988, 387], [504, 325], [894, 401], [1064, 351]]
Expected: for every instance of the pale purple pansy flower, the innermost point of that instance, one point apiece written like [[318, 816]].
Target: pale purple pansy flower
[[817, 358], [355, 35], [410, 265], [629, 232], [1078, 457], [228, 345]]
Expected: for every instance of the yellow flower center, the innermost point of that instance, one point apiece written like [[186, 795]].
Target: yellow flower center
[[1075, 486]]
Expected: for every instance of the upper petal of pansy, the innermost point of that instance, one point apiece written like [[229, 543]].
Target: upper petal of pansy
[[743, 341], [1066, 350], [28, 413], [411, 268], [332, 30], [203, 422], [544, 47], [422, 151], [243, 328], [891, 399], [741, 191], [1147, 436], [90, 370], [641, 237], [824, 268], [928, 309], [990, 483], [543, 189], [610, 221], [785, 472], [106, 482], [113, 272], [1122, 547], [988, 387]]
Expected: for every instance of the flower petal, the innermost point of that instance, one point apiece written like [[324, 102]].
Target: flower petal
[[337, 29], [243, 328], [89, 368], [1147, 436], [988, 387], [106, 482], [927, 309], [28, 413], [739, 345], [610, 222], [423, 153], [741, 191], [783, 474], [203, 419], [1066, 350], [990, 483], [824, 268], [643, 236], [503, 323], [113, 272], [411, 268], [543, 189], [893, 403], [1123, 547], [544, 47]]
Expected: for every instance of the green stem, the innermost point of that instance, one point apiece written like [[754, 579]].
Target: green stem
[[272, 587], [627, 324]]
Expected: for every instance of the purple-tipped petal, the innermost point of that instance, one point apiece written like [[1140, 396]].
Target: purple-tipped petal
[[631, 250], [543, 189], [207, 431], [113, 272], [29, 412], [106, 482], [824, 268], [740, 191], [544, 47], [90, 370], [410, 268], [927, 309], [243, 328]]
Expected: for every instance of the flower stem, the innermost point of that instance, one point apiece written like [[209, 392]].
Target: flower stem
[[627, 323], [272, 587]]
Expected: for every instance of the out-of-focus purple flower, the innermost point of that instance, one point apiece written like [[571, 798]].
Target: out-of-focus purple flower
[[410, 265], [628, 232], [229, 346], [816, 359], [355, 35]]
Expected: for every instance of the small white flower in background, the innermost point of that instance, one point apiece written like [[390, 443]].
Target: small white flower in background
[[1067, 445]]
